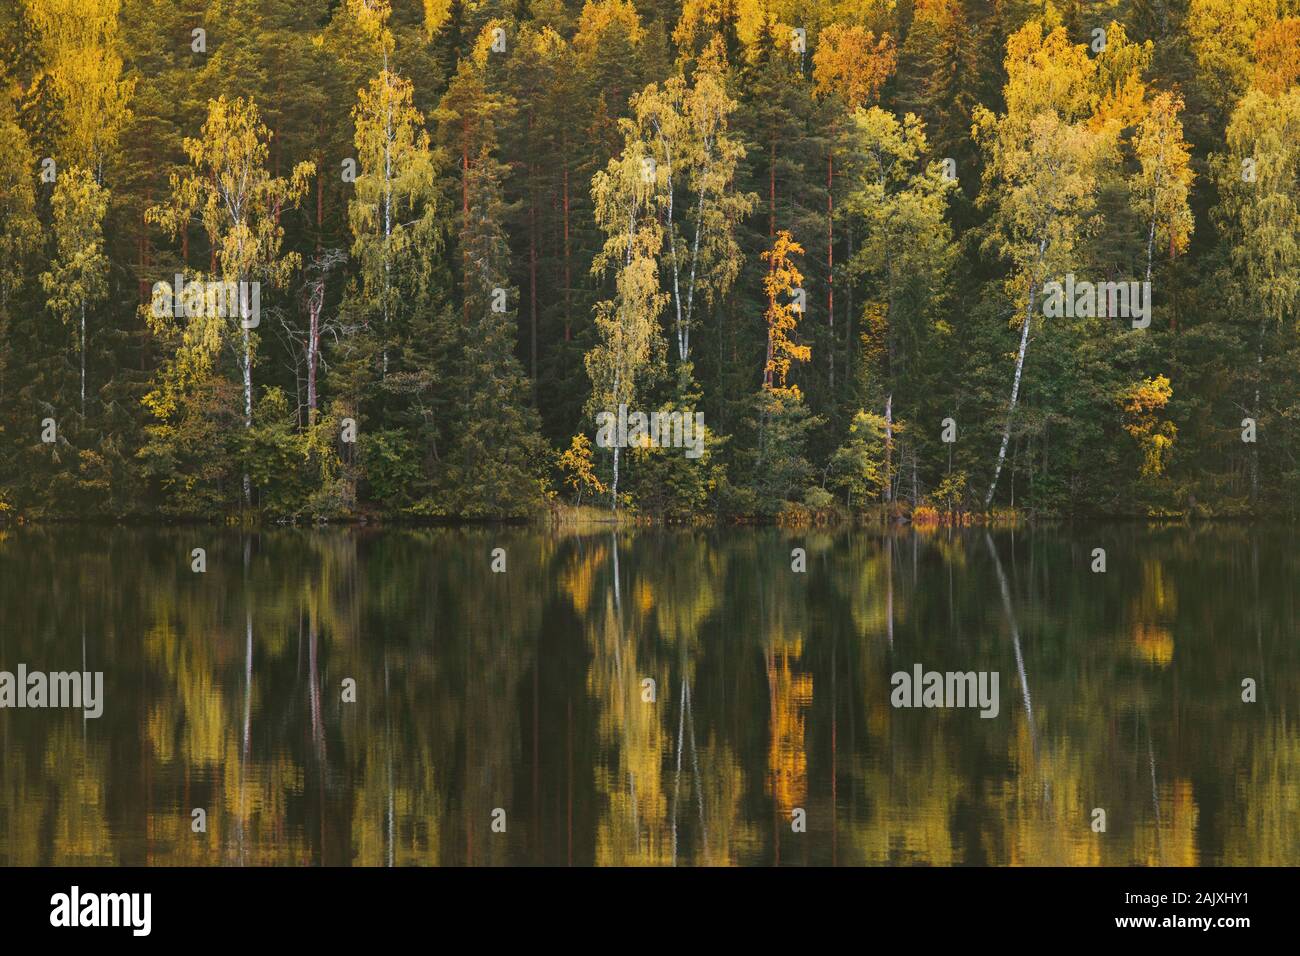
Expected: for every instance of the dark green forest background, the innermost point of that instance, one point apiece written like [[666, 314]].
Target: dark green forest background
[[653, 184]]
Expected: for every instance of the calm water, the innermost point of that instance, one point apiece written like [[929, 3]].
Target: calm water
[[524, 691]]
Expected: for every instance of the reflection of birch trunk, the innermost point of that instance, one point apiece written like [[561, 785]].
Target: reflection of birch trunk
[[1259, 615], [313, 674], [83, 358], [1155, 795], [835, 751], [889, 448], [248, 696], [686, 719], [388, 753], [677, 776], [1015, 638], [84, 670], [695, 769], [618, 597], [1254, 447], [889, 587]]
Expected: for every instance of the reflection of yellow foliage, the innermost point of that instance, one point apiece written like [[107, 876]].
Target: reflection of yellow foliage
[[1264, 830], [1154, 608], [81, 832], [1153, 643], [644, 596], [1169, 837], [578, 577], [1048, 805], [787, 759]]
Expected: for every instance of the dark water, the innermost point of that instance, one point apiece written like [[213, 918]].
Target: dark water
[[524, 690]]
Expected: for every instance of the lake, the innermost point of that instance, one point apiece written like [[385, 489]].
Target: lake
[[385, 697]]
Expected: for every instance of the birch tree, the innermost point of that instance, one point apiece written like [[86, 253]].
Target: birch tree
[[393, 214], [82, 65], [686, 127], [1260, 212], [629, 344], [230, 192], [1164, 180], [78, 276], [1040, 177]]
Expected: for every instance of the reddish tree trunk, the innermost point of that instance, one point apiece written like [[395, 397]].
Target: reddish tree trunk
[[568, 275], [830, 256]]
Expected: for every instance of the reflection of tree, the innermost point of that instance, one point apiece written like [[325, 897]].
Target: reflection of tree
[[523, 691], [80, 832], [791, 696]]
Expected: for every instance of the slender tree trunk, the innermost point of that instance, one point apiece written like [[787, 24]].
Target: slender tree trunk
[[889, 448], [388, 210], [532, 282], [320, 203], [771, 193], [1151, 242], [850, 320], [568, 266], [464, 208], [248, 403], [613, 488], [313, 352], [672, 248], [83, 358], [690, 290], [830, 257], [1254, 448], [1015, 383], [916, 490]]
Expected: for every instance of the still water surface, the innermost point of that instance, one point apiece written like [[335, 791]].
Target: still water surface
[[525, 691]]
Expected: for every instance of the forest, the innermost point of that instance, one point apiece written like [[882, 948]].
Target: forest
[[834, 232]]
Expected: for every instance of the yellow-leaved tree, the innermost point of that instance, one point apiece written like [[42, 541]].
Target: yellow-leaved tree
[[79, 43], [1142, 403], [781, 285], [237, 201]]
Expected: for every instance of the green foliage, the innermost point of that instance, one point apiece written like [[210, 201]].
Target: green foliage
[[622, 207]]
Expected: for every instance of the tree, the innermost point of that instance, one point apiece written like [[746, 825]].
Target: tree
[[781, 283], [851, 64], [20, 230], [1164, 179], [579, 468], [858, 466], [629, 345], [394, 213], [1259, 182], [1142, 403], [1040, 178], [497, 454], [83, 66], [686, 129], [1277, 56], [238, 203], [78, 277], [907, 252]]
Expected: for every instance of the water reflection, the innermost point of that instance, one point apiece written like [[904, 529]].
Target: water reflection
[[651, 697]]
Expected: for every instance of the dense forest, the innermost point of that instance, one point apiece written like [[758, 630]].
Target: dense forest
[[833, 231]]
